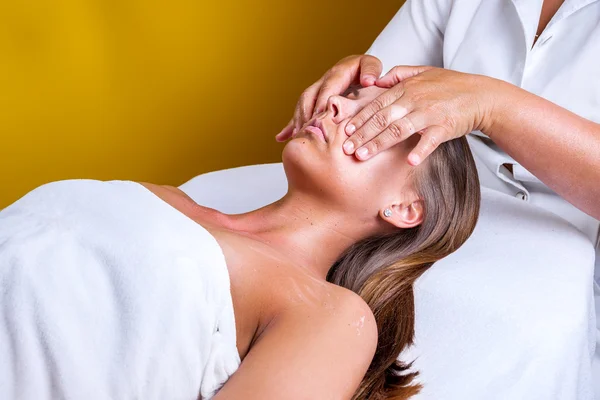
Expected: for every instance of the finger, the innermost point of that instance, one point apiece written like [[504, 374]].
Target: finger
[[379, 103], [333, 85], [286, 132], [306, 103], [337, 80], [297, 120], [398, 74], [398, 131], [370, 70], [430, 140], [378, 123]]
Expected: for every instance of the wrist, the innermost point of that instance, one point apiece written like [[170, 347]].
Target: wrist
[[498, 97]]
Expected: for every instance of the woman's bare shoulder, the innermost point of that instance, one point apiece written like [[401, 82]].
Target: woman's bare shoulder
[[298, 290], [328, 341], [339, 310], [347, 300], [319, 333], [352, 309]]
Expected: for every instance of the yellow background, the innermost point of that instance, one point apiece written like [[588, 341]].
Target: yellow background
[[160, 91]]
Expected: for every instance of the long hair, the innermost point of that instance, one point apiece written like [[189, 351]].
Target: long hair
[[382, 269]]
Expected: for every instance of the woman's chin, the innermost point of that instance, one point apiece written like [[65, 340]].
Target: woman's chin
[[315, 171], [305, 164], [302, 150]]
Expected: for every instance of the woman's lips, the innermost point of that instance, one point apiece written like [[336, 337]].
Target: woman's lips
[[316, 131]]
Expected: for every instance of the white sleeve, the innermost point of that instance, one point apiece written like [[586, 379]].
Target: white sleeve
[[414, 36]]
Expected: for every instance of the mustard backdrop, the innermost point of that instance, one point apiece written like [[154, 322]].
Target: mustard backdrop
[[160, 91]]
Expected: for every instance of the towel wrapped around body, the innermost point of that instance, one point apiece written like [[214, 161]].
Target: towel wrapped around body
[[107, 292]]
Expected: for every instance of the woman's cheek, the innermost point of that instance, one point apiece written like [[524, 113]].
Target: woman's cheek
[[359, 105]]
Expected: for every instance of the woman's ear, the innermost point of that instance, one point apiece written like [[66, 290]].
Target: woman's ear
[[403, 215]]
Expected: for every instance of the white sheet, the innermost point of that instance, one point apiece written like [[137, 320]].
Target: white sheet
[[107, 292], [509, 316]]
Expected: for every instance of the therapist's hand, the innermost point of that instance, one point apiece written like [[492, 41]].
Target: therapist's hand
[[363, 69], [437, 103]]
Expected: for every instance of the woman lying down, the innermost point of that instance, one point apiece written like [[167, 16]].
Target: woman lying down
[[122, 290]]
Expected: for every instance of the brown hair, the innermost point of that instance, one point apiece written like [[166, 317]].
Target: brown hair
[[382, 269]]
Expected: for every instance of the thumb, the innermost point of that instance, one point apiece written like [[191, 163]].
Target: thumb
[[398, 74], [286, 133], [370, 70]]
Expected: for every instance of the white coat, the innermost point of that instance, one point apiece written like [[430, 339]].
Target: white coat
[[495, 38]]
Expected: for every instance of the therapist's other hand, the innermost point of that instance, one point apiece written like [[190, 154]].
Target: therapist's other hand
[[352, 70], [437, 103]]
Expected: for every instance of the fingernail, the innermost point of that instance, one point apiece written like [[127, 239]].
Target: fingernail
[[294, 131], [350, 128], [370, 79], [414, 159], [362, 153], [348, 147]]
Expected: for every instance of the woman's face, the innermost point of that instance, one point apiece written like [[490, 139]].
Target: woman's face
[[315, 162]]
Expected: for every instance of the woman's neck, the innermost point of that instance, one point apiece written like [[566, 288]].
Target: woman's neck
[[297, 229], [301, 230]]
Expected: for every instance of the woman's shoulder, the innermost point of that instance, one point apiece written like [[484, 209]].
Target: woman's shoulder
[[324, 335], [334, 311], [348, 300], [349, 310], [293, 293], [334, 334]]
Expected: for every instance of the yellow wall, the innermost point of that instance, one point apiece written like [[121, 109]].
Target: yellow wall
[[160, 91]]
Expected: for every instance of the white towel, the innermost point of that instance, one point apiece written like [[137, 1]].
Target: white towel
[[107, 292]]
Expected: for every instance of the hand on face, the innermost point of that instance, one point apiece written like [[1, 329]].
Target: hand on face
[[343, 107], [352, 70], [437, 103], [316, 164]]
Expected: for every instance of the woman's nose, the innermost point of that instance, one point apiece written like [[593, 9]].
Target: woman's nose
[[334, 107]]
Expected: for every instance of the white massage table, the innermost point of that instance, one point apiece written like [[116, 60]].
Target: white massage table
[[509, 316]]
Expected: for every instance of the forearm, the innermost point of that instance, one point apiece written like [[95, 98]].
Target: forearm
[[559, 147]]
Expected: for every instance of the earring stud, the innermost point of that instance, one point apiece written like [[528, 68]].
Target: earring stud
[[387, 212]]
